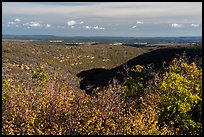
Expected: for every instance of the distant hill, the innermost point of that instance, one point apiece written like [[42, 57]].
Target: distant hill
[[30, 37], [106, 39]]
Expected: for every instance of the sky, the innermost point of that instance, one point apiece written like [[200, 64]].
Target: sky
[[126, 19]]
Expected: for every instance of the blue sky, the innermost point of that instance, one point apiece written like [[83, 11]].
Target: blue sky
[[132, 19]]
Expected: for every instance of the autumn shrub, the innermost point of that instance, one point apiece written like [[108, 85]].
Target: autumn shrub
[[31, 108], [115, 111], [109, 114], [168, 104], [55, 108]]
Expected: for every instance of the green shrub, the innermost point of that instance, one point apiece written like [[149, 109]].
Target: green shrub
[[133, 87], [40, 75], [181, 89]]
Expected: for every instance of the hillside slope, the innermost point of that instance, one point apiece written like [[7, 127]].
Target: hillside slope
[[102, 77]]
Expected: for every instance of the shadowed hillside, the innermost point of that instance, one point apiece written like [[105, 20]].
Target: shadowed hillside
[[94, 78]]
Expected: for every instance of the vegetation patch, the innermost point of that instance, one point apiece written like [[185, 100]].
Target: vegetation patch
[[169, 102]]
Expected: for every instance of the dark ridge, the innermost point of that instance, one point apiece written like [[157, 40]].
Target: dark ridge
[[91, 79]]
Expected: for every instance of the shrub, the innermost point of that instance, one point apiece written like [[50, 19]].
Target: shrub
[[166, 105], [133, 87], [5, 87], [181, 89], [36, 109], [56, 109], [40, 75]]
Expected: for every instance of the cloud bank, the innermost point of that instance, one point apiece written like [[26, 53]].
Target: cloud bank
[[116, 18], [162, 12]]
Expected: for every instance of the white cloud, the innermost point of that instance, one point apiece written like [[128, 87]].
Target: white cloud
[[71, 23], [35, 24], [175, 25], [32, 24], [26, 24], [11, 23], [140, 22], [96, 27], [14, 22], [17, 20], [195, 25], [101, 28], [133, 27], [87, 27], [48, 25]]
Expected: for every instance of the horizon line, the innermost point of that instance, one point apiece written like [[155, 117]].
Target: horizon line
[[96, 36]]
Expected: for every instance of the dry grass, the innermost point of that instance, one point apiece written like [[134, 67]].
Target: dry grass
[[20, 58]]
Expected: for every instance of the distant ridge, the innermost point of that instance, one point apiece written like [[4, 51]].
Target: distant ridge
[[30, 37], [183, 39]]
